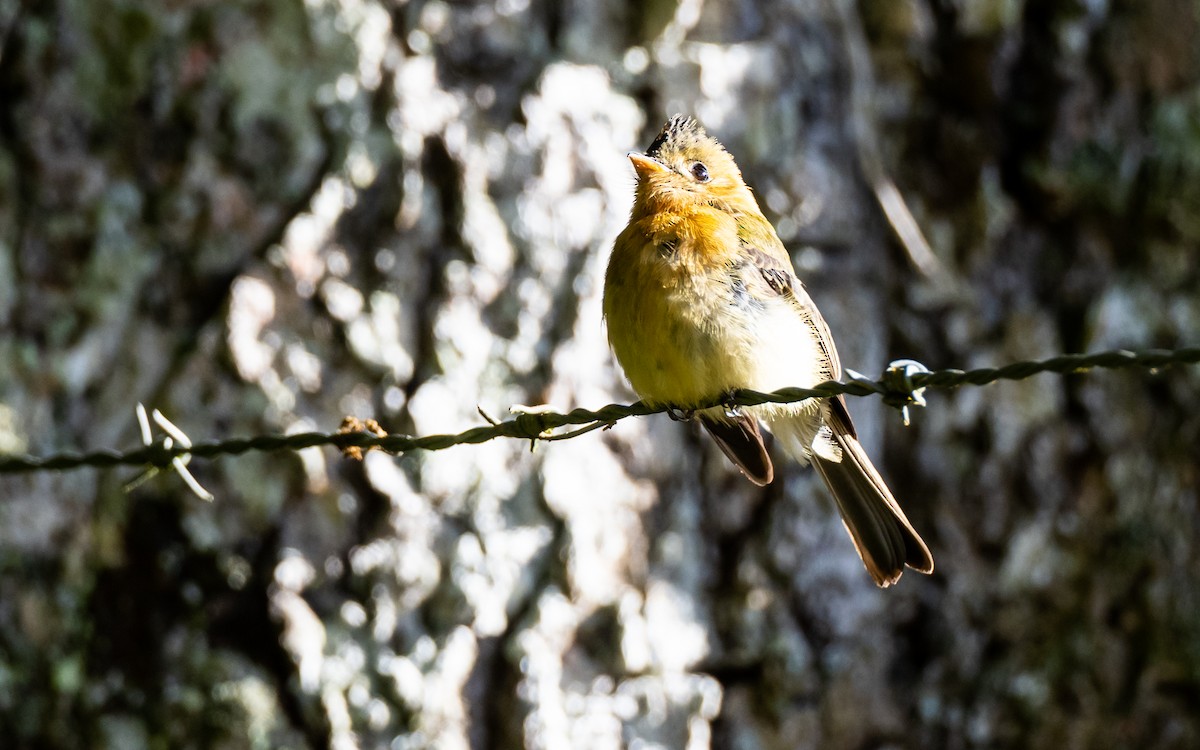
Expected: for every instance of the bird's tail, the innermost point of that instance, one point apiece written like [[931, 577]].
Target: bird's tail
[[885, 539]]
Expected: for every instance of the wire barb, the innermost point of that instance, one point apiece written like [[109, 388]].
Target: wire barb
[[902, 385], [901, 391], [177, 461]]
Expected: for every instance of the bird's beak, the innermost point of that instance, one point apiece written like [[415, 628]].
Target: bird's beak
[[646, 165]]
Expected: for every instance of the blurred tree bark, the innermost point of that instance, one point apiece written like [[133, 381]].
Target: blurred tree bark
[[261, 216]]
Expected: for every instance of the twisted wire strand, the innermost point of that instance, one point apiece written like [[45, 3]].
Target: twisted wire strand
[[539, 425]]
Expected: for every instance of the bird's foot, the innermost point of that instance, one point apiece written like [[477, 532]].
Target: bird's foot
[[680, 415], [733, 410]]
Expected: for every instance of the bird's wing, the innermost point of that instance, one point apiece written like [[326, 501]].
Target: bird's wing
[[766, 270], [741, 441]]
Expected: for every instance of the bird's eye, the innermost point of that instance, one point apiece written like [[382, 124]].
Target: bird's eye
[[700, 172]]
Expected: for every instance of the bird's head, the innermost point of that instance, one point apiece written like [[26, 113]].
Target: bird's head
[[684, 165]]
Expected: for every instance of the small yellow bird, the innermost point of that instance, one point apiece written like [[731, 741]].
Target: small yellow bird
[[701, 299]]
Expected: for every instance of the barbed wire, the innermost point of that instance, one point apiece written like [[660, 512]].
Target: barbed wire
[[900, 386]]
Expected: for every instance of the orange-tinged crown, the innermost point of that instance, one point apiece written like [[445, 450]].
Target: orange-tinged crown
[[679, 132]]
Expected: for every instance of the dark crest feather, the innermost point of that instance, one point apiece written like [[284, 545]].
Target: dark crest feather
[[678, 130]]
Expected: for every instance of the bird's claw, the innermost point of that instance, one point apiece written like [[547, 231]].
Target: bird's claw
[[680, 415], [732, 408]]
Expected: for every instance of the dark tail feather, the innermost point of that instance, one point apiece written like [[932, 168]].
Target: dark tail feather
[[885, 539], [742, 441]]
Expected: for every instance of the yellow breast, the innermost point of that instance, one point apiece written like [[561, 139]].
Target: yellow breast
[[670, 309], [686, 326]]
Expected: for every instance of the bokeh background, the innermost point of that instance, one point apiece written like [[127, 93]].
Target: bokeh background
[[262, 216]]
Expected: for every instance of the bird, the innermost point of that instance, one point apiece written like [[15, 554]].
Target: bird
[[701, 300]]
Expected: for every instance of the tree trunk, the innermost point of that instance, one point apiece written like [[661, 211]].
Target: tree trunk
[[260, 217]]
